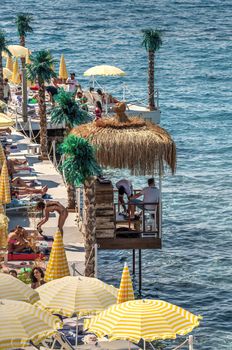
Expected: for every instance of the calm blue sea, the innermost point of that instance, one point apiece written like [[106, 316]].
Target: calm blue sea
[[193, 74]]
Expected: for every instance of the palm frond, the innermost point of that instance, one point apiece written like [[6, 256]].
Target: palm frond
[[152, 39], [80, 162], [67, 110], [41, 67], [4, 43], [23, 22]]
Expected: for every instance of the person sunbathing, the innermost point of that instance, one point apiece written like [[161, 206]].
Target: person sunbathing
[[21, 191], [51, 207], [18, 240]]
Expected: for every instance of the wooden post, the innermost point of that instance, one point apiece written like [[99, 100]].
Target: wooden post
[[140, 272]]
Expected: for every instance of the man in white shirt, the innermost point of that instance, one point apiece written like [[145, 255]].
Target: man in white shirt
[[72, 83], [150, 195], [124, 187]]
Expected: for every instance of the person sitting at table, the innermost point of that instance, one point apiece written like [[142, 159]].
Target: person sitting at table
[[150, 197]]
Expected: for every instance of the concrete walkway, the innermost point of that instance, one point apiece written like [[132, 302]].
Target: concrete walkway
[[48, 175]]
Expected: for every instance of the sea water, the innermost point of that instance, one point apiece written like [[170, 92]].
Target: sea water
[[193, 73]]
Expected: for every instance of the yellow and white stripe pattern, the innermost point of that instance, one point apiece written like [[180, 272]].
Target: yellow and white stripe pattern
[[5, 196], [125, 292], [21, 323], [57, 265], [3, 230], [12, 288], [16, 76], [2, 155], [143, 319], [63, 73], [76, 295]]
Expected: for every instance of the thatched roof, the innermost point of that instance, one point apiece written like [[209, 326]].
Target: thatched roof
[[137, 145]]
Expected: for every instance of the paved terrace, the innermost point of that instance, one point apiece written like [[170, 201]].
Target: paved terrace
[[48, 175]]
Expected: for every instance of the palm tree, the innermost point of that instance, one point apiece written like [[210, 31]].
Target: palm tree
[[23, 22], [152, 42], [67, 110], [40, 69], [80, 167], [3, 48]]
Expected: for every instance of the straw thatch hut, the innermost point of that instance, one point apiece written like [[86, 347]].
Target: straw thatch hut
[[127, 143]]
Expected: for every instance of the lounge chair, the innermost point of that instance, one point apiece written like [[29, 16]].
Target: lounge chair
[[58, 339]]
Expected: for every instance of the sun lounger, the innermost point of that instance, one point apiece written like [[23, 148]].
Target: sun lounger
[[24, 256]]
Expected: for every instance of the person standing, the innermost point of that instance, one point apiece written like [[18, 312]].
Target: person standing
[[6, 91], [72, 83], [124, 186]]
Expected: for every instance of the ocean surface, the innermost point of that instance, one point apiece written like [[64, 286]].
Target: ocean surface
[[193, 74]]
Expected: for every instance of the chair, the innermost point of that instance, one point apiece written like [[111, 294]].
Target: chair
[[57, 338], [149, 220]]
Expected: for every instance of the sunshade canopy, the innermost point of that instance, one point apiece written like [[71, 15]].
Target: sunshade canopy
[[57, 265], [72, 295], [63, 73], [14, 289], [143, 319], [17, 51], [5, 121], [21, 323], [142, 147], [5, 195], [104, 70], [125, 292]]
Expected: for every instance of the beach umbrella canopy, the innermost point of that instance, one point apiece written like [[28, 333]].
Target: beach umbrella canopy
[[9, 63], [104, 70], [7, 73], [16, 51], [57, 266], [2, 155], [16, 75], [143, 319], [28, 61], [5, 121], [63, 73], [12, 288], [3, 231], [125, 292], [21, 323], [130, 143], [73, 295], [5, 196]]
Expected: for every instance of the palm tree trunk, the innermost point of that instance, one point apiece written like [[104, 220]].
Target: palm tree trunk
[[43, 122], [90, 227], [1, 78], [71, 196], [151, 77], [22, 40]]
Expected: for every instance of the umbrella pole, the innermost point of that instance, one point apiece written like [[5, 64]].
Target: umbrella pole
[[76, 341], [144, 344]]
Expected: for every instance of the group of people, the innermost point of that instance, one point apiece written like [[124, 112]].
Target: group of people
[[36, 275], [150, 195]]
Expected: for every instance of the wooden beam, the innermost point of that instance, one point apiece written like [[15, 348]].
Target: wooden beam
[[129, 243]]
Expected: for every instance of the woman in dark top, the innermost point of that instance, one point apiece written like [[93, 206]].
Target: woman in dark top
[[37, 277]]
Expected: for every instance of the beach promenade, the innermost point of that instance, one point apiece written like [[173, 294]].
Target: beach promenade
[[47, 174]]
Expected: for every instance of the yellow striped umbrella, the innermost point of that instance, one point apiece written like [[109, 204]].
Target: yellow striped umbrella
[[5, 121], [16, 76], [28, 61], [9, 63], [5, 196], [63, 73], [3, 231], [12, 288], [57, 265], [7, 73], [72, 295], [21, 323], [2, 155], [143, 319], [125, 292]]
